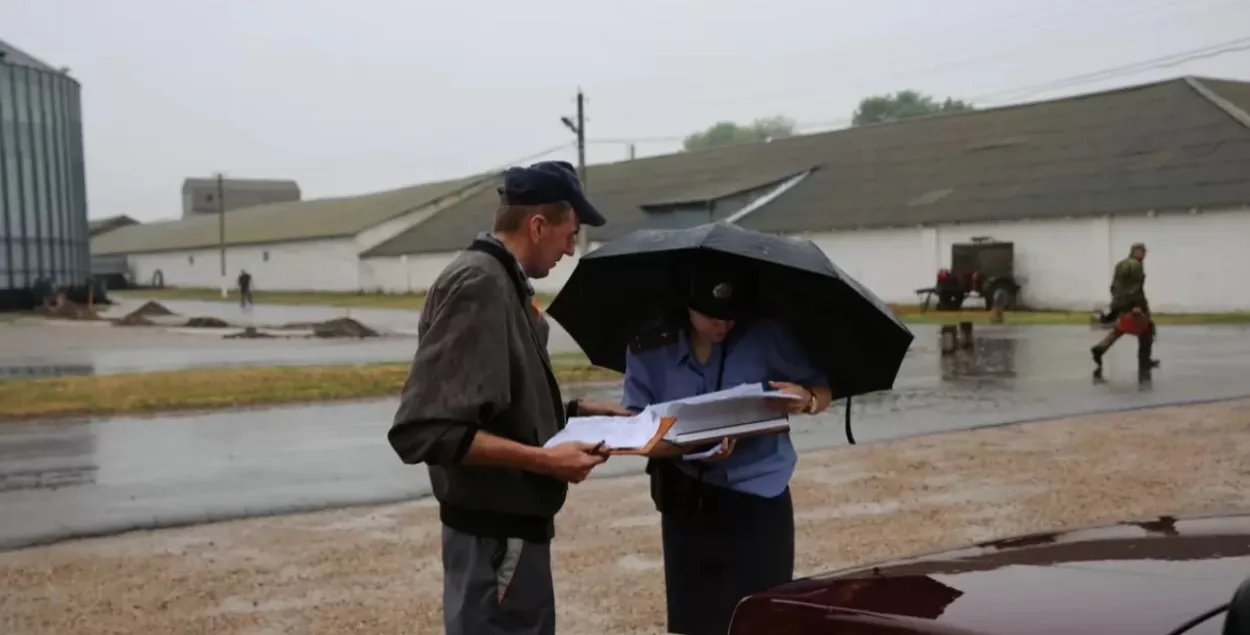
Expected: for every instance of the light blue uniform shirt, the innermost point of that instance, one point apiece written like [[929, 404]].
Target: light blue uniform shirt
[[763, 351]]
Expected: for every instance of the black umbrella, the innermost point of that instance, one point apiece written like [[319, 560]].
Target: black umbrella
[[847, 332]]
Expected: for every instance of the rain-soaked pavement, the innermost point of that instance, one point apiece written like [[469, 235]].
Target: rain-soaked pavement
[[73, 479], [53, 348]]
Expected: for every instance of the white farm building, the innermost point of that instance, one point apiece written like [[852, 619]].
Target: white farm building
[[1071, 182]]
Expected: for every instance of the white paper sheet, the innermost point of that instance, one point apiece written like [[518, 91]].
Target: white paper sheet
[[742, 405], [621, 433]]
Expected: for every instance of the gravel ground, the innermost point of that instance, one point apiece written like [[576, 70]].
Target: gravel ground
[[376, 570]]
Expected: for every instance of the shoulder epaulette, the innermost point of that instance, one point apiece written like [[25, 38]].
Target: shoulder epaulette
[[652, 339]]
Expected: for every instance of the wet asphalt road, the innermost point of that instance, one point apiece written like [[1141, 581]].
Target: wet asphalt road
[[103, 349], [73, 479]]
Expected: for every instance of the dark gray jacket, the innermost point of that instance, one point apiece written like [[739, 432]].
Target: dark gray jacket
[[482, 364]]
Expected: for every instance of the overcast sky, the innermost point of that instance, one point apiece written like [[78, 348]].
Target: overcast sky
[[352, 97]]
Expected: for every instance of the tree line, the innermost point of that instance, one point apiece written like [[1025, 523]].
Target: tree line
[[873, 109]]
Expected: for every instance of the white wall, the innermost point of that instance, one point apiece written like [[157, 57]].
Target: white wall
[[323, 265], [1196, 262], [417, 272]]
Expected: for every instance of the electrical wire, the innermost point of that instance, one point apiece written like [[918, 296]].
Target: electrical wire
[[1166, 61], [1163, 61], [899, 61]]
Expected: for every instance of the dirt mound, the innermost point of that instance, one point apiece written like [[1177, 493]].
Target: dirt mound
[[207, 323], [66, 309], [343, 327], [151, 308], [249, 333], [141, 315]]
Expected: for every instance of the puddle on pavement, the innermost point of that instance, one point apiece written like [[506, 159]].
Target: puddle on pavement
[[40, 371], [47, 479], [49, 462], [983, 357]]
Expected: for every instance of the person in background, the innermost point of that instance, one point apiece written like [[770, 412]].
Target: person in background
[[727, 520], [1128, 294], [245, 288], [481, 401]]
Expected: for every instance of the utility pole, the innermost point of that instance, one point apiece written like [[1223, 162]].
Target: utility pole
[[221, 231], [633, 152], [579, 128]]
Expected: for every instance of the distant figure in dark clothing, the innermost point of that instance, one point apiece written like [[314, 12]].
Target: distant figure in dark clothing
[[245, 288]]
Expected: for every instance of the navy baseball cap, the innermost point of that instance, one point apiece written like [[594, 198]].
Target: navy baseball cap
[[549, 182]]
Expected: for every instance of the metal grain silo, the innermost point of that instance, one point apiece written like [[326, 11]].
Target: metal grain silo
[[43, 199]]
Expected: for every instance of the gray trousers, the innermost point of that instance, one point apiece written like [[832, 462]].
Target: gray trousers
[[497, 586]]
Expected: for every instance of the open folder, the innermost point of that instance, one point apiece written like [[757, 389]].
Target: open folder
[[737, 412]]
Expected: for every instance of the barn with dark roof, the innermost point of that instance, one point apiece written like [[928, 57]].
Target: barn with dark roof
[[1071, 182]]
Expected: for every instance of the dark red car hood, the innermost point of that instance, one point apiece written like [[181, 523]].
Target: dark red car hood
[[1138, 578]]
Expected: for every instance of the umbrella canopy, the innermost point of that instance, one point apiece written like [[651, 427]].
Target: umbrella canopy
[[846, 331]]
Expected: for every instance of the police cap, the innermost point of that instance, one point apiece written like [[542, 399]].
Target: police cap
[[720, 286]]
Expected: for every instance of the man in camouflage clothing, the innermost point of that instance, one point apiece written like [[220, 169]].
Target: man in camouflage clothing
[[1128, 293]]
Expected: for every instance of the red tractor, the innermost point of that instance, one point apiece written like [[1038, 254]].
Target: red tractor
[[983, 267]]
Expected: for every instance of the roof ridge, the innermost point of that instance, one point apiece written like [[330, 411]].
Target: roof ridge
[[796, 138], [471, 185], [1215, 99]]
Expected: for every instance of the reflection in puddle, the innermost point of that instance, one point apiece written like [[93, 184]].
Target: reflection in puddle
[[987, 357], [47, 479], [38, 371], [51, 458]]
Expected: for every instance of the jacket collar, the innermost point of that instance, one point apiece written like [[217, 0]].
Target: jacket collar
[[486, 241]]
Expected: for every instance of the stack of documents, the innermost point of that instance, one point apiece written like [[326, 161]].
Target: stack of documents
[[741, 411]]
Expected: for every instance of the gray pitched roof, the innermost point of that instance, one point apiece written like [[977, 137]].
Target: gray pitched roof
[[280, 222], [620, 191], [10, 54], [1157, 146], [97, 226], [1154, 146]]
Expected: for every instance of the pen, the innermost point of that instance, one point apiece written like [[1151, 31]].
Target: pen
[[597, 448]]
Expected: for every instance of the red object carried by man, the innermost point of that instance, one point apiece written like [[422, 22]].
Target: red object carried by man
[[1133, 322]]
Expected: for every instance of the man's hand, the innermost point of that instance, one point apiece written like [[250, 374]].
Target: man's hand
[[600, 408], [571, 462], [791, 406]]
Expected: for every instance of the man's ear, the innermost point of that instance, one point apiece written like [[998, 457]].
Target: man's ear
[[535, 225]]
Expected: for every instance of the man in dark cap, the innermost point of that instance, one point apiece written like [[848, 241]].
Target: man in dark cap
[[481, 400], [1128, 294]]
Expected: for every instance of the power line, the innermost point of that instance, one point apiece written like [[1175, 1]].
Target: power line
[[898, 61], [1164, 61]]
